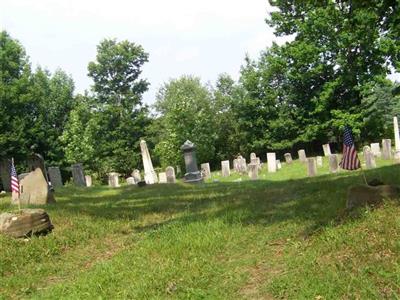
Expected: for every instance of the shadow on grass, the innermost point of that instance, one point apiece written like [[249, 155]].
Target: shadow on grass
[[318, 201]]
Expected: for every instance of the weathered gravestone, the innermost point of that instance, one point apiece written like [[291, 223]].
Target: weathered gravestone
[[162, 177], [302, 155], [236, 165], [319, 161], [362, 195], [150, 176], [27, 222], [78, 175], [5, 167], [369, 158], [311, 167], [205, 170], [396, 139], [387, 149], [37, 161], [34, 189], [271, 162], [333, 163], [170, 172], [136, 176], [192, 174], [242, 164], [278, 164], [252, 156], [113, 179], [225, 168], [130, 181], [376, 150], [55, 177], [88, 180], [327, 149], [288, 158], [253, 171]]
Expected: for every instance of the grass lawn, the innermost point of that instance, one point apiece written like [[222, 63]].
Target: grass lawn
[[283, 236]]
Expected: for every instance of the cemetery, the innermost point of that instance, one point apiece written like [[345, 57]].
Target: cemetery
[[124, 177]]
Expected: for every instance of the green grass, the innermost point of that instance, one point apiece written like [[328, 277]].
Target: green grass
[[283, 236]]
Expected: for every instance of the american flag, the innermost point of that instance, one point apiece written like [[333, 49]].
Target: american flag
[[14, 179], [350, 159]]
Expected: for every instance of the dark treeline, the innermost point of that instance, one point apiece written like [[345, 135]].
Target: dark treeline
[[299, 94]]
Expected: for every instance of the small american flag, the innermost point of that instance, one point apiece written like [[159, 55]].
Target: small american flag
[[14, 179], [350, 159]]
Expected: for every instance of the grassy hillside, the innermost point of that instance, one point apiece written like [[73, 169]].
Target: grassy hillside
[[284, 236]]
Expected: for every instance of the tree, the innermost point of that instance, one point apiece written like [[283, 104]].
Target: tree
[[184, 106]]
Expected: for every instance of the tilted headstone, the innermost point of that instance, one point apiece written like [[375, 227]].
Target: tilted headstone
[[5, 168], [113, 179], [319, 161], [34, 189], [387, 149], [333, 163], [311, 167], [327, 149], [162, 177], [37, 161], [192, 174], [130, 181], [288, 158], [396, 139], [271, 161], [88, 180], [278, 164], [302, 155], [369, 158], [150, 176], [376, 149], [170, 172], [205, 170], [253, 171], [78, 175], [55, 177], [136, 176], [225, 168]]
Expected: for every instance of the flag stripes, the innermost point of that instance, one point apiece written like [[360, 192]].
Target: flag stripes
[[350, 159]]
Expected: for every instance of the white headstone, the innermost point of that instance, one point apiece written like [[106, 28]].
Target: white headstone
[[225, 169], [369, 158], [386, 149], [162, 176], [136, 176], [253, 171], [88, 180], [376, 149], [271, 160], [170, 172], [311, 167], [242, 165], [278, 164], [150, 175], [302, 155], [333, 163], [396, 139], [288, 158], [130, 181], [327, 149], [319, 161], [252, 155], [113, 179], [205, 170]]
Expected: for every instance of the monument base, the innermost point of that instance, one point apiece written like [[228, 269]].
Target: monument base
[[194, 177]]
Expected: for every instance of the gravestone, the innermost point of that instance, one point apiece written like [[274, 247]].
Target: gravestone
[[192, 174], [34, 189], [178, 170], [252, 156], [37, 161], [319, 161], [236, 165], [376, 150], [387, 149], [78, 175], [311, 167], [253, 171], [396, 139], [55, 177], [170, 171], [333, 163], [205, 170], [271, 162], [5, 168], [162, 176], [327, 149], [288, 158], [242, 165], [302, 155], [259, 163], [225, 168], [136, 176], [113, 179], [369, 158], [88, 180], [150, 176], [130, 181], [278, 164]]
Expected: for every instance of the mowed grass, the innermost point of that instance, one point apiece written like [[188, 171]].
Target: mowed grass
[[283, 236]]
